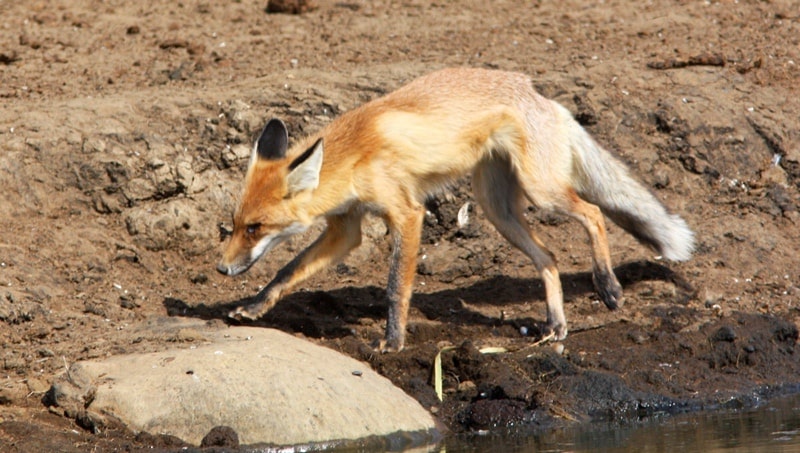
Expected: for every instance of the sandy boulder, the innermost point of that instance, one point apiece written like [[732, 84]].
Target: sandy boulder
[[268, 386]]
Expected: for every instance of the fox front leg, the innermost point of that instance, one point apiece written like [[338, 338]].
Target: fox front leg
[[266, 298], [342, 235]]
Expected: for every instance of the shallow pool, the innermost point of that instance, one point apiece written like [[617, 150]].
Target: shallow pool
[[773, 427]]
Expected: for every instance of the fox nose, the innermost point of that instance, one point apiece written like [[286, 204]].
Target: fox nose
[[223, 269]]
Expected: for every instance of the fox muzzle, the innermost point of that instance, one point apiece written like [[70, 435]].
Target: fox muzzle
[[224, 269]]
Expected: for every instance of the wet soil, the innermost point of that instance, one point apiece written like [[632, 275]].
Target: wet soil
[[126, 128]]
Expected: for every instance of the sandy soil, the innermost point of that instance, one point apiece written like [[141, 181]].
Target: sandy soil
[[125, 128]]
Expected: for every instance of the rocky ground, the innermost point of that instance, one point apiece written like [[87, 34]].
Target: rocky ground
[[125, 128]]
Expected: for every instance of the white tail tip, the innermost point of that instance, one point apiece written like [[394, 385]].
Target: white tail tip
[[678, 240]]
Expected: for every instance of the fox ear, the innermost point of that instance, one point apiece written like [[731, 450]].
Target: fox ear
[[272, 142], [304, 171]]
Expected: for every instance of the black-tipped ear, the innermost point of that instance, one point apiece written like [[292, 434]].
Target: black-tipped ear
[[273, 142]]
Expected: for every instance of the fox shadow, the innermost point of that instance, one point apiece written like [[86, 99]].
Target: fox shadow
[[330, 314]]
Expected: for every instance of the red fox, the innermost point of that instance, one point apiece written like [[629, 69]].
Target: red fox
[[387, 156]]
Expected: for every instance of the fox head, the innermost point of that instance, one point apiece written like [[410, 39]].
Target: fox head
[[270, 210]]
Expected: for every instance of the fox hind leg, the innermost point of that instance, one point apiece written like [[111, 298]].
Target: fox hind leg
[[498, 191], [605, 282]]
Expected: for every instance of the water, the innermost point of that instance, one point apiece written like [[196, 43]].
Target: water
[[774, 427]]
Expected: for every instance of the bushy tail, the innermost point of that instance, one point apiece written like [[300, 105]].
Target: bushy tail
[[605, 181]]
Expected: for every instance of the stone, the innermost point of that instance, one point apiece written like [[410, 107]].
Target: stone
[[724, 333], [291, 6], [263, 385]]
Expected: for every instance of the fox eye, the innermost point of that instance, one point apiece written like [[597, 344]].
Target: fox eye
[[252, 228]]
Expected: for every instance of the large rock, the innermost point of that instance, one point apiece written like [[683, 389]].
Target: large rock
[[270, 387]]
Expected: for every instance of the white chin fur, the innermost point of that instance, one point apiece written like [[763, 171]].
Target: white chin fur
[[269, 242]]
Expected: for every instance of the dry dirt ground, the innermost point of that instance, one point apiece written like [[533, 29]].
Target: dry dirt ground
[[125, 128]]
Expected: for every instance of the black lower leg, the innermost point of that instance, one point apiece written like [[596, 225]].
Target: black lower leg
[[608, 288]]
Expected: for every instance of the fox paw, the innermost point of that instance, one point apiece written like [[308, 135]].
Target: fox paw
[[387, 346], [609, 289], [241, 313], [558, 331]]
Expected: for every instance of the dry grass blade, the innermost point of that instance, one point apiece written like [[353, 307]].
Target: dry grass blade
[[437, 371], [544, 340]]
